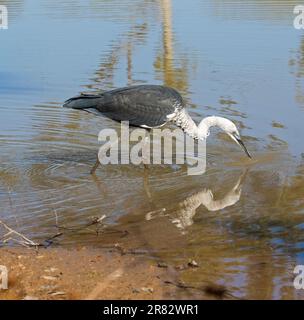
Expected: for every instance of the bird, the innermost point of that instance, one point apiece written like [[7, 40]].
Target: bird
[[151, 106]]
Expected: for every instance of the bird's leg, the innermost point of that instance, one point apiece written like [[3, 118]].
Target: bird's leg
[[154, 212], [146, 160], [100, 186], [146, 182], [146, 150], [96, 165]]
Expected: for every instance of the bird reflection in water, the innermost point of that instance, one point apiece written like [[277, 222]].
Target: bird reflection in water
[[185, 211]]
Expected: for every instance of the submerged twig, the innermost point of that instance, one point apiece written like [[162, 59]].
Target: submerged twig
[[12, 234], [49, 241], [96, 221]]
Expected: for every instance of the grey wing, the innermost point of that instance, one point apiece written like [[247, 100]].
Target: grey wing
[[145, 105]]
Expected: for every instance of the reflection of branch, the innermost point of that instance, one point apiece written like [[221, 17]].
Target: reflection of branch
[[95, 221], [15, 236]]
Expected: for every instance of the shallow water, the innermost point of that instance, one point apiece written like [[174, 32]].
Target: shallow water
[[242, 221]]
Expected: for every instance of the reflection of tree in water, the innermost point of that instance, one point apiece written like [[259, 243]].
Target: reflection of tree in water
[[125, 47], [172, 75], [104, 76], [138, 16]]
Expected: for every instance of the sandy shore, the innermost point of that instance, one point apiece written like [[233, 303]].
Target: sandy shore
[[85, 273]]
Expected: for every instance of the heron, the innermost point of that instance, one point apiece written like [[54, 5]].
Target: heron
[[151, 106]]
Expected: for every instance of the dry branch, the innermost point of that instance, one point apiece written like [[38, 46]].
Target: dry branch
[[15, 236]]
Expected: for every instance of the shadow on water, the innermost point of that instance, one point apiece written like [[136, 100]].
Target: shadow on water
[[242, 221]]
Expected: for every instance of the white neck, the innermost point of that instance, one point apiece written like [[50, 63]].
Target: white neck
[[201, 131], [183, 120], [206, 124]]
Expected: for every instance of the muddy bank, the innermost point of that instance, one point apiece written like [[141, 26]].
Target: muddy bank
[[85, 273]]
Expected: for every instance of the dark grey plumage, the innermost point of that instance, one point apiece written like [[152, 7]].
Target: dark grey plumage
[[150, 106], [142, 105]]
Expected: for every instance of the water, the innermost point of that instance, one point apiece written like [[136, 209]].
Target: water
[[242, 221]]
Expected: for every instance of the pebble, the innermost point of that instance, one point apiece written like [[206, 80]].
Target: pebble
[[193, 263], [162, 265], [51, 270], [49, 278], [148, 290], [58, 293]]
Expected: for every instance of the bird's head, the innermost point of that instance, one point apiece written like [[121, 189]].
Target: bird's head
[[227, 126]]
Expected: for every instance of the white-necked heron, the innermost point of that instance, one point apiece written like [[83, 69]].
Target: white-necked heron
[[151, 106]]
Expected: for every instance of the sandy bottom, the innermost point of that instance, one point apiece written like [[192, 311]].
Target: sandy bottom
[[85, 273]]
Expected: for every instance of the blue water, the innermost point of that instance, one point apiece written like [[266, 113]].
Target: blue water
[[239, 59]]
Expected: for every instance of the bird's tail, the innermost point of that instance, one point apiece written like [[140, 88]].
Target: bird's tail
[[84, 101]]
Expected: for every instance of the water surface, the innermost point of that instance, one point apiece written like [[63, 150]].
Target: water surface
[[241, 221]]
